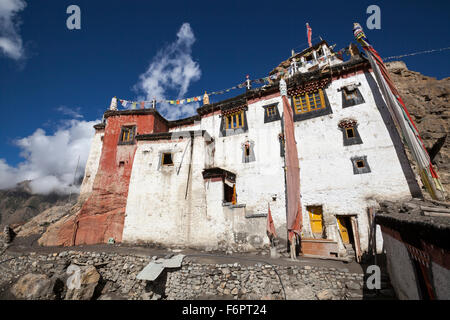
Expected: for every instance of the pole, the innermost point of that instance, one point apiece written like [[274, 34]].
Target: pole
[[74, 177]]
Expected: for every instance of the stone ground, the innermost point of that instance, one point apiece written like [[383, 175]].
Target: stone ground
[[203, 275]]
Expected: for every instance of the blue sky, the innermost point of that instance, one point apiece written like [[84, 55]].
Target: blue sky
[[69, 76]]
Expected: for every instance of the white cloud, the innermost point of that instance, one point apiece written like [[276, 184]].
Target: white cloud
[[73, 113], [172, 69], [50, 160], [10, 40]]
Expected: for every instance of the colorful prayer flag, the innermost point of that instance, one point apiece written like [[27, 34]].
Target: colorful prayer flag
[[309, 33]]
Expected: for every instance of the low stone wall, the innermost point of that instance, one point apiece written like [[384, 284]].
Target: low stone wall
[[192, 281]]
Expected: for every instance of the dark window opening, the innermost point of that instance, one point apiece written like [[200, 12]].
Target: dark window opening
[[121, 163], [167, 159], [229, 193], [350, 133], [247, 151], [360, 165], [127, 135], [309, 57], [320, 52]]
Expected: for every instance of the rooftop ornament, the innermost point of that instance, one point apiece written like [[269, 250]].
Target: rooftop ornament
[[113, 105]]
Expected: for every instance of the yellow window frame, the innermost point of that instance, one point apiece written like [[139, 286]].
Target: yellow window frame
[[302, 103], [234, 120], [352, 130], [271, 111], [126, 134]]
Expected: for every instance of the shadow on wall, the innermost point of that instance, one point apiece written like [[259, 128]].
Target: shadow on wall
[[395, 137]]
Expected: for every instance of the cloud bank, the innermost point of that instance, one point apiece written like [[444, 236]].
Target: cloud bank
[[51, 160], [172, 69], [10, 40]]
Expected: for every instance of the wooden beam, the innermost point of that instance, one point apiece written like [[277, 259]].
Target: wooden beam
[[434, 209]]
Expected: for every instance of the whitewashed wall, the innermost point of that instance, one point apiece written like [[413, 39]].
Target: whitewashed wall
[[92, 163], [326, 171], [157, 211]]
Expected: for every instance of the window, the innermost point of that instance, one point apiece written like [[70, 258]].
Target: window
[[127, 135], [350, 132], [234, 120], [360, 165], [320, 52], [248, 154], [308, 102], [167, 159], [229, 193], [271, 113], [349, 128], [351, 96]]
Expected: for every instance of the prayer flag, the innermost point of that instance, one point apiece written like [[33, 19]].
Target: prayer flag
[[309, 33]]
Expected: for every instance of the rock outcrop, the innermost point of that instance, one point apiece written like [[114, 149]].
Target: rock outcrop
[[427, 100], [34, 287]]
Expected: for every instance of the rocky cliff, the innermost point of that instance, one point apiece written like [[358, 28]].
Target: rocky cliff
[[427, 100], [19, 205]]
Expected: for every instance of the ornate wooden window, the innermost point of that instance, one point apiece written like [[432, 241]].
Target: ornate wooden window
[[271, 113], [349, 128], [127, 135], [310, 101], [234, 120]]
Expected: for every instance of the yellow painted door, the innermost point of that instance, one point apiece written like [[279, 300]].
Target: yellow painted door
[[315, 217], [343, 230]]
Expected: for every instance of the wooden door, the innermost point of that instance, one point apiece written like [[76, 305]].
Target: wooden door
[[315, 217], [343, 230]]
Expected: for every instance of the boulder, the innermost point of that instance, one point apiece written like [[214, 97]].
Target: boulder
[[81, 282], [34, 287], [324, 295]]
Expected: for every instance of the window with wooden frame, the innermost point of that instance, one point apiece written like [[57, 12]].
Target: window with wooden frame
[[349, 128], [360, 165], [166, 159], [351, 96], [350, 133], [127, 134], [308, 102], [234, 120], [271, 111]]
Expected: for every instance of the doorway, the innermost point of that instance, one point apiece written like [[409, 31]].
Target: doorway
[[348, 230], [316, 221]]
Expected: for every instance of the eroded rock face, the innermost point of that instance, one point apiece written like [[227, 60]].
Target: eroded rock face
[[427, 100], [34, 287]]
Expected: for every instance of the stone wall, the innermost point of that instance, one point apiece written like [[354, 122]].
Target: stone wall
[[194, 280]]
